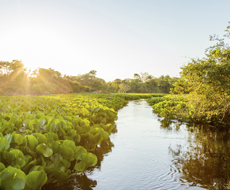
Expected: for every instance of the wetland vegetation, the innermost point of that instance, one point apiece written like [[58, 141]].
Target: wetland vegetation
[[46, 139]]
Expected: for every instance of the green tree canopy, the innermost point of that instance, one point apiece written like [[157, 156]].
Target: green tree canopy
[[208, 82]]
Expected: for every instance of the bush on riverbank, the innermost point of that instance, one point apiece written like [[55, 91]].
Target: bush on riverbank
[[204, 89]]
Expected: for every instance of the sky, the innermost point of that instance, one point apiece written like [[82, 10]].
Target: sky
[[117, 38]]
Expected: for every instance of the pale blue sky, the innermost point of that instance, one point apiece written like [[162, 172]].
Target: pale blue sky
[[117, 38]]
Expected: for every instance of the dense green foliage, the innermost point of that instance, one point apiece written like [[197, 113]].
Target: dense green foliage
[[43, 139], [144, 83], [173, 107], [15, 79], [205, 84]]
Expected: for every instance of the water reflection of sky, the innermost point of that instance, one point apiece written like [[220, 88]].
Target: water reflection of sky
[[140, 158]]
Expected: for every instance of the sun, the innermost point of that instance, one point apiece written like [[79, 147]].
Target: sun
[[34, 45]]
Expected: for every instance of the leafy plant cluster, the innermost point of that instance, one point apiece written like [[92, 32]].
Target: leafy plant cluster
[[44, 139], [204, 88], [173, 107]]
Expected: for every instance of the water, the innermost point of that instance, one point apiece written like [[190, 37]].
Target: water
[[148, 152]]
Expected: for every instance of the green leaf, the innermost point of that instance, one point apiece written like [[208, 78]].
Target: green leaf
[[60, 176], [79, 151], [41, 138], [87, 160], [15, 157], [55, 146], [70, 144], [32, 142], [36, 179], [44, 150], [90, 159], [37, 168], [67, 152], [12, 179], [62, 165], [17, 138], [56, 157], [80, 166], [4, 144], [51, 136], [9, 138], [30, 165], [2, 167]]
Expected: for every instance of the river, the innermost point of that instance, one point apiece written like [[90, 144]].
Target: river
[[148, 152]]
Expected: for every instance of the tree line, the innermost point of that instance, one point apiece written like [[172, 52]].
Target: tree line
[[16, 79]]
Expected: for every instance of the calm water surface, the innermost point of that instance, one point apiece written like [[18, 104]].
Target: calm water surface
[[148, 152]]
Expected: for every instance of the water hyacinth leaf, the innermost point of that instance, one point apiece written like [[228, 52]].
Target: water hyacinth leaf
[[32, 142], [30, 117], [71, 133], [27, 132], [36, 179], [51, 125], [60, 123], [12, 179], [37, 126], [41, 138], [80, 166], [17, 138], [98, 138], [15, 157], [42, 161], [37, 168], [12, 120], [67, 152], [28, 159], [105, 135], [25, 122], [77, 138], [51, 136], [44, 150], [2, 167], [42, 121], [55, 146], [61, 132], [79, 151], [60, 176], [4, 144], [70, 144], [62, 165], [31, 124], [9, 137], [30, 165], [89, 158], [56, 157], [32, 153]]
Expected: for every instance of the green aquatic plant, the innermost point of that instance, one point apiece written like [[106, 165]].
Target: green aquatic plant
[[44, 139]]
